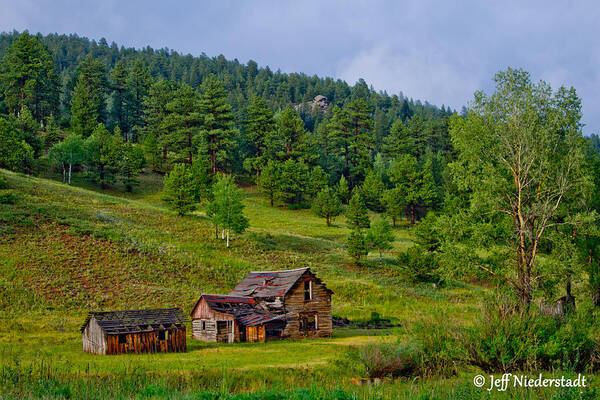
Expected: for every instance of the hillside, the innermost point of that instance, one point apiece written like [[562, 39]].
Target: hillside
[[67, 250]]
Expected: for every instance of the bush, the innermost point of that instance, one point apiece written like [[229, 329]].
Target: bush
[[420, 265], [3, 182], [504, 339], [441, 350], [8, 197], [388, 359]]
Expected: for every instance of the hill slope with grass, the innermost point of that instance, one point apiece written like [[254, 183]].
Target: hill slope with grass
[[65, 250]]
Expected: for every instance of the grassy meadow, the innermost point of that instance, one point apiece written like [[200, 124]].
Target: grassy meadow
[[66, 250]]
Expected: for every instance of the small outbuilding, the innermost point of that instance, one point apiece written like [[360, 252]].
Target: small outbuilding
[[134, 331], [222, 318]]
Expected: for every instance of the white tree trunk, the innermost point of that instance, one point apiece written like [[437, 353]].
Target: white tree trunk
[[223, 234], [227, 237], [64, 172], [70, 165]]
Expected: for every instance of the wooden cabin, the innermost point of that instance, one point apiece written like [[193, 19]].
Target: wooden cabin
[[266, 305], [134, 331], [221, 318]]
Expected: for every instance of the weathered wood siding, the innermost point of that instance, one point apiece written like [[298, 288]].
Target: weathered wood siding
[[319, 305], [211, 318], [147, 342], [94, 339], [97, 342], [255, 333]]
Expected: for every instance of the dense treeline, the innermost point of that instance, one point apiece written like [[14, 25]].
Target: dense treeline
[[69, 104], [217, 116]]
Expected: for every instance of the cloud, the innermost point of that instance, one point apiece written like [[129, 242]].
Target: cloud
[[424, 75]]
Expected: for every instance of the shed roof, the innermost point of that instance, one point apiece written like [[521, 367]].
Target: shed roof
[[243, 309], [269, 283], [135, 321]]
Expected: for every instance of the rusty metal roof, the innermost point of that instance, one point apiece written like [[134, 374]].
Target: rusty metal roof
[[135, 321], [270, 283]]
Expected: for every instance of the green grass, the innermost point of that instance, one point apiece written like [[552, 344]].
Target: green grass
[[65, 250]]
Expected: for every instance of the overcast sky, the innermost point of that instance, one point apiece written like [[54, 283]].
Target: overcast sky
[[439, 51]]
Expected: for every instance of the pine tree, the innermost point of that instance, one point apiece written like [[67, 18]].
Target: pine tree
[[408, 181], [357, 245], [394, 204], [131, 165], [102, 154], [217, 126], [118, 80], [15, 153], [182, 124], [28, 78], [155, 114], [380, 236], [259, 128], [226, 208], [138, 86], [179, 189], [343, 191], [28, 129], [327, 205], [371, 191], [357, 212], [290, 132], [88, 106], [269, 179], [152, 152]]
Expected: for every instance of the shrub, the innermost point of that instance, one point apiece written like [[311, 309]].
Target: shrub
[[441, 350], [3, 182], [8, 197], [420, 265], [388, 359], [504, 339]]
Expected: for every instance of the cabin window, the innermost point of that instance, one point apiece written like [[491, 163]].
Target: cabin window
[[122, 339], [161, 335], [308, 290], [309, 322], [203, 325]]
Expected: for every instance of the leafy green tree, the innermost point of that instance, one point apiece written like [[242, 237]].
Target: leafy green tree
[[67, 153], [88, 106], [520, 155], [201, 174], [218, 124], [357, 245], [28, 78], [356, 213], [269, 179], [182, 124], [179, 190], [327, 205], [15, 153], [131, 165], [258, 127], [226, 208], [102, 154], [371, 191], [343, 191], [380, 236]]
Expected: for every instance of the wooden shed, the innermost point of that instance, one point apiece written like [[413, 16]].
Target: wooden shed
[[221, 318], [134, 331]]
